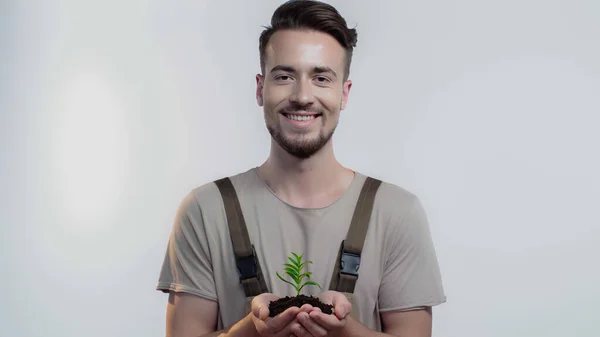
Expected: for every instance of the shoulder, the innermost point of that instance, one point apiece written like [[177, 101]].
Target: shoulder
[[403, 219], [398, 211], [390, 193], [394, 201], [207, 196]]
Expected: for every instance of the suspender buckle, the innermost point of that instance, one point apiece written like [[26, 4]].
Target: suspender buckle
[[247, 266], [349, 264]]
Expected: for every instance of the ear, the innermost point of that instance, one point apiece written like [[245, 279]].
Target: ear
[[345, 93], [259, 89]]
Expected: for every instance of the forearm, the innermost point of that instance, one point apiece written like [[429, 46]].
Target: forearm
[[354, 328], [419, 326], [243, 328]]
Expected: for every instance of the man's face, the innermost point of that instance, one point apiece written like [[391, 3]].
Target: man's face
[[302, 90]]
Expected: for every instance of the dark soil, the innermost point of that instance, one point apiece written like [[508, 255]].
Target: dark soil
[[280, 305]]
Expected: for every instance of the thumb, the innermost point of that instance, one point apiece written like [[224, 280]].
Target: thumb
[[260, 305], [262, 313], [342, 307]]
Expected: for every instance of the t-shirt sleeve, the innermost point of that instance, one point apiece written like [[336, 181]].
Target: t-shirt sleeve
[[411, 276], [187, 263]]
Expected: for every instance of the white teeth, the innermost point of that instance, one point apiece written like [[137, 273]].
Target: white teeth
[[300, 118]]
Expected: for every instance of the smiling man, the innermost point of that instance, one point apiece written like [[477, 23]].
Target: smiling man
[[368, 240], [303, 88]]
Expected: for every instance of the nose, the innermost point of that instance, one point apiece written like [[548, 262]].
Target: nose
[[303, 93]]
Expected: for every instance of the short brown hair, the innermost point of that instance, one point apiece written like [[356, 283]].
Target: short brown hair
[[311, 15]]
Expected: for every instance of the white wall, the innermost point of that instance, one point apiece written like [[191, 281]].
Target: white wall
[[111, 111]]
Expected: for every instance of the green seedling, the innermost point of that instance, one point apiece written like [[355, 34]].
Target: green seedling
[[294, 271]]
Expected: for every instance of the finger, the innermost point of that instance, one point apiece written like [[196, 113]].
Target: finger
[[311, 325], [327, 322], [306, 308], [315, 309], [278, 323], [264, 329], [292, 330], [341, 306], [260, 305], [259, 325], [262, 314], [297, 330], [341, 311]]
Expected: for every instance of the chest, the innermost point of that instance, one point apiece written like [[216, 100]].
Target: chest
[[317, 236]]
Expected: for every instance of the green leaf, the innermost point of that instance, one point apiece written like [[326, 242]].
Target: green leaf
[[307, 275], [293, 274], [286, 281], [290, 266], [310, 283], [302, 265], [299, 259], [292, 271]]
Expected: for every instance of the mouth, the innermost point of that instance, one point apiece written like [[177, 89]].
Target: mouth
[[301, 117]]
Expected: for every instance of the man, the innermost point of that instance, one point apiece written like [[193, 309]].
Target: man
[[301, 199]]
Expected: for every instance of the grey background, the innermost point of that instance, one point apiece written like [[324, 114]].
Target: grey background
[[111, 111]]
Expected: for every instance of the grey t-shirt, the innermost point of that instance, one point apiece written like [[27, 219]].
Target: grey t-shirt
[[399, 268]]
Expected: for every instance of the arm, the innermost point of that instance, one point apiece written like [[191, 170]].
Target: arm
[[193, 316], [187, 276], [414, 323], [411, 284], [411, 279]]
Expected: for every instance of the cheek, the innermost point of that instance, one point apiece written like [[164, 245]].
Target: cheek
[[331, 101], [271, 108], [273, 98]]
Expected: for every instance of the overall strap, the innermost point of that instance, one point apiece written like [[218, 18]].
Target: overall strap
[[251, 276], [345, 273]]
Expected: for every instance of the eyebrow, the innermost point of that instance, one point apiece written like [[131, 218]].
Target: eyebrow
[[317, 69]]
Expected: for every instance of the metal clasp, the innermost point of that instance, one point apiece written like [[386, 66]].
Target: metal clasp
[[349, 263], [247, 266]]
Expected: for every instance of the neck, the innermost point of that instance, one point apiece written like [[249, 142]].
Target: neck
[[312, 182]]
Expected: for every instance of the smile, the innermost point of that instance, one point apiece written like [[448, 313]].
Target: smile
[[301, 118]]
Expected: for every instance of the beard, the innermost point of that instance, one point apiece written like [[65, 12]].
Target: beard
[[300, 148], [303, 148]]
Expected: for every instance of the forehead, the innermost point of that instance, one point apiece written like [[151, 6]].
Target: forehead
[[304, 49]]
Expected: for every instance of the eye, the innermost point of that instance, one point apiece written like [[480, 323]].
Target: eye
[[283, 78], [322, 79]]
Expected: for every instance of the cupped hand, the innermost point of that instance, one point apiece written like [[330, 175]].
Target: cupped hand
[[318, 324], [278, 326]]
